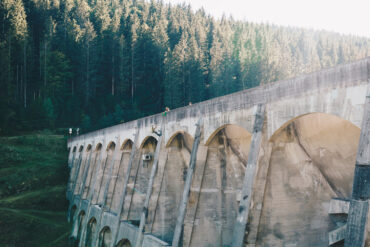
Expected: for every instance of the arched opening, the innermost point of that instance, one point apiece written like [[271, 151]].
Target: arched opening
[[103, 174], [72, 213], [90, 232], [91, 170], [75, 167], [228, 150], [105, 237], [312, 161], [143, 167], [119, 171], [83, 166], [77, 229], [174, 176], [124, 243]]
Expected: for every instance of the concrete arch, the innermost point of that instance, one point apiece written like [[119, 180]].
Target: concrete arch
[[111, 145], [187, 137], [98, 146], [127, 144], [77, 228], [284, 125], [142, 166], [81, 217], [214, 133], [312, 161], [219, 193], [103, 177], [90, 232], [119, 169], [146, 139], [124, 243], [94, 160], [105, 237], [72, 213], [163, 219]]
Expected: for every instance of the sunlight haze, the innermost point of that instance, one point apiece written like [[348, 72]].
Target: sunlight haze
[[347, 17]]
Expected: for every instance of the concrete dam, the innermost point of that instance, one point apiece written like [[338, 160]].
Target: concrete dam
[[283, 164]]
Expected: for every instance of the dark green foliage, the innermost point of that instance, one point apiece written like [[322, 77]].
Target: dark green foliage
[[91, 64], [33, 177]]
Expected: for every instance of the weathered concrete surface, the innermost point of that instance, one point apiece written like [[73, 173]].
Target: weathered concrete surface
[[312, 161], [307, 158]]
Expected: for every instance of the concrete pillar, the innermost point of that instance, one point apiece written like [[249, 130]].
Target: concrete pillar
[[106, 185], [250, 173], [87, 167], [195, 192], [90, 195], [144, 213], [359, 204], [185, 196], [78, 170], [163, 155], [259, 186], [124, 189], [72, 169]]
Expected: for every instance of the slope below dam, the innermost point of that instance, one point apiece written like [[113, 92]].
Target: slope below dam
[[284, 164]]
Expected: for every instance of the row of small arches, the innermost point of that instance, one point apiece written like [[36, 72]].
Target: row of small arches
[[105, 235], [188, 140]]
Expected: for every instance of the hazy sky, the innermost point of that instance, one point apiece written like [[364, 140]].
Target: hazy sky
[[343, 16]]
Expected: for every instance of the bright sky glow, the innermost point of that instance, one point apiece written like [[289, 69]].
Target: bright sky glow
[[342, 16]]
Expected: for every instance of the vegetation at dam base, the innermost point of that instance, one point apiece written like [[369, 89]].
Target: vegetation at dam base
[[95, 63], [33, 178]]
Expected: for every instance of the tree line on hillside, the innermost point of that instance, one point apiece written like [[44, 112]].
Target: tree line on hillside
[[95, 63]]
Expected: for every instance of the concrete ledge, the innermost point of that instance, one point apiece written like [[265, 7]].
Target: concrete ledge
[[84, 205], [339, 206], [356, 224], [110, 220], [127, 231], [95, 211], [152, 241], [337, 235]]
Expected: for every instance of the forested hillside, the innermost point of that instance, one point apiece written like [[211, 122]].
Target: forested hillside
[[94, 63]]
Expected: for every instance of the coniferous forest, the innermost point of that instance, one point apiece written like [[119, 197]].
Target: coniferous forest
[[95, 63]]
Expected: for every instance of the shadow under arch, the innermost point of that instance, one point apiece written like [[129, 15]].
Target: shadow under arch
[[90, 232], [88, 148], [127, 144], [116, 183], [124, 243], [103, 174], [75, 237], [232, 128], [105, 237], [172, 177], [72, 213], [224, 169], [186, 137], [111, 145], [78, 227], [147, 140], [81, 148], [98, 146], [312, 161], [142, 167]]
